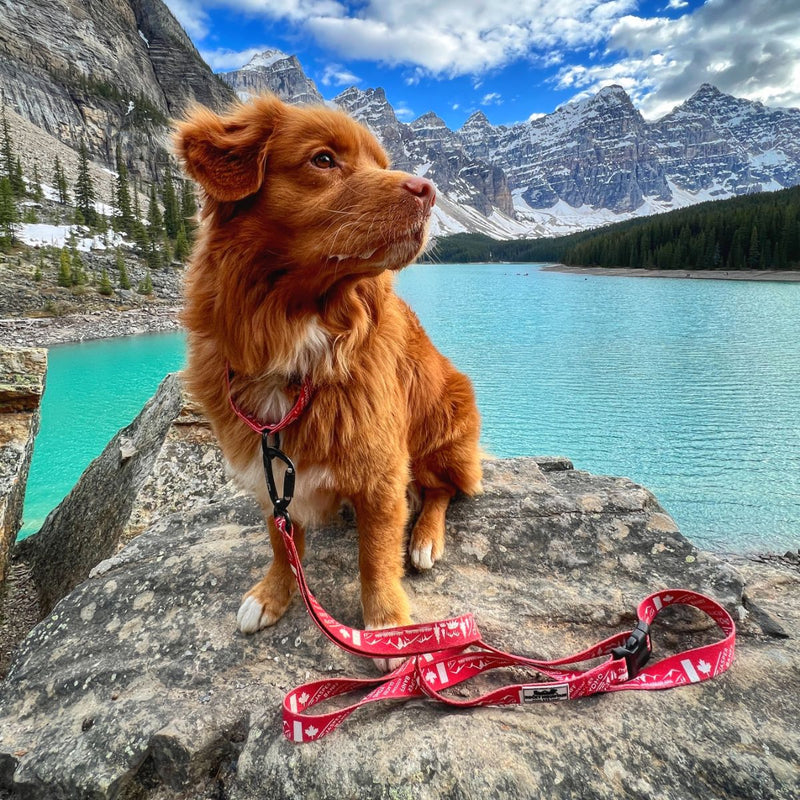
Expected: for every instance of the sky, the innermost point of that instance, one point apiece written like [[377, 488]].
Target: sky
[[513, 59]]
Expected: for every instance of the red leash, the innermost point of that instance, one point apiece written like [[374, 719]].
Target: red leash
[[449, 652]]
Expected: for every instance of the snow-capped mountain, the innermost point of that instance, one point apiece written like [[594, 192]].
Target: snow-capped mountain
[[273, 71], [588, 163]]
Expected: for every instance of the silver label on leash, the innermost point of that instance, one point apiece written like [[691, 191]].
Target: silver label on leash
[[542, 694]]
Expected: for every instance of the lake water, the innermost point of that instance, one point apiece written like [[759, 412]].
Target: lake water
[[689, 387]]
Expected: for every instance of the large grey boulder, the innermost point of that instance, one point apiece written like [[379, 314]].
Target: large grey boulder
[[138, 685], [22, 377], [87, 525]]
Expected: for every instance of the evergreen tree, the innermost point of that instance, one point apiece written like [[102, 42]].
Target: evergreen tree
[[36, 189], [6, 147], [84, 190], [17, 179], [9, 212], [155, 220], [754, 251], [60, 182], [79, 277], [172, 211], [124, 280], [105, 287], [64, 269], [181, 244], [146, 284], [124, 220], [188, 208]]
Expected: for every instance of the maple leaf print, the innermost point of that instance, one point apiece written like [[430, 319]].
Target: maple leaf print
[[303, 698], [704, 667], [311, 731]]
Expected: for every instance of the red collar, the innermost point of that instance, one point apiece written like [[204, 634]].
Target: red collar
[[303, 399]]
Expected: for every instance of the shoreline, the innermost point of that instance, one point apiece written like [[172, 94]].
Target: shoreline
[[781, 276], [73, 328]]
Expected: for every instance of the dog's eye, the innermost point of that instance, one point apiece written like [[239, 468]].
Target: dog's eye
[[323, 161]]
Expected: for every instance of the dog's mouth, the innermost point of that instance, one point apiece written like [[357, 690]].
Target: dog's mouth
[[394, 253]]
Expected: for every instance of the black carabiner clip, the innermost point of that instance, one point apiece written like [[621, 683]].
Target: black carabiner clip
[[269, 452]]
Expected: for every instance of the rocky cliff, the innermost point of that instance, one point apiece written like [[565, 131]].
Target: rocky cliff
[[22, 376], [102, 71], [138, 685]]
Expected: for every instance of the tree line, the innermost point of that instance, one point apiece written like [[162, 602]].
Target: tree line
[[164, 233], [758, 231]]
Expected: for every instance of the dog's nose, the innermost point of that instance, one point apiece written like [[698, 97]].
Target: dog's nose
[[421, 188]]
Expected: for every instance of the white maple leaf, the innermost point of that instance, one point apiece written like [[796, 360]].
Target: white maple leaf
[[303, 698], [704, 666], [668, 598], [345, 633], [311, 731], [430, 676]]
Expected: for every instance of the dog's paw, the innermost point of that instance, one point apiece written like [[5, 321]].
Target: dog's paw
[[388, 664], [261, 608], [422, 556]]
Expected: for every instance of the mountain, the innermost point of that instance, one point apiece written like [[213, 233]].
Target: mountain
[[103, 71], [273, 71], [589, 163]]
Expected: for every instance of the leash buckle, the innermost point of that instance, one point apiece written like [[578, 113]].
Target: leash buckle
[[636, 650], [271, 450]]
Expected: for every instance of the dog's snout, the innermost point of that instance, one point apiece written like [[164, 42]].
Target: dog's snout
[[422, 189]]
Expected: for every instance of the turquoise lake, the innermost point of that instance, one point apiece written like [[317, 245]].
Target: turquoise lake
[[689, 387]]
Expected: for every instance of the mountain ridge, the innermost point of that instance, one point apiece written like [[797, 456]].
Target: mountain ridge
[[590, 162]]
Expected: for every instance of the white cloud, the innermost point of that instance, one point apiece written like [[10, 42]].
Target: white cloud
[[403, 112], [675, 4], [223, 59], [192, 16], [492, 99], [536, 115], [747, 48], [337, 75]]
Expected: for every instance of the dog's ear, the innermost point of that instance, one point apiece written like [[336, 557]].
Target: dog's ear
[[227, 155]]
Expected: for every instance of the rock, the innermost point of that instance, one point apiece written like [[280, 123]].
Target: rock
[[138, 684], [87, 525], [22, 377]]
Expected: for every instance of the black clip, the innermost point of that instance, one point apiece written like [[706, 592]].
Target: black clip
[[636, 650], [269, 452]]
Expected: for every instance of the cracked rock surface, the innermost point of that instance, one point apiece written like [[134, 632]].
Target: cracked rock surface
[[138, 684]]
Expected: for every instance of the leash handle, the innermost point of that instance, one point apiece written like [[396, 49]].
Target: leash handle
[[430, 674]]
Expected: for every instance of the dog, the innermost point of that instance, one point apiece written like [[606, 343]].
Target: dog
[[291, 279]]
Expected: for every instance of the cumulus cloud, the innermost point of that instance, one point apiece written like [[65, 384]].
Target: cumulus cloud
[[492, 99], [337, 75], [192, 16], [747, 48], [224, 59]]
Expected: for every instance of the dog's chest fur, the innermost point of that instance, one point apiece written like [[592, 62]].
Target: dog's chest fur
[[314, 495]]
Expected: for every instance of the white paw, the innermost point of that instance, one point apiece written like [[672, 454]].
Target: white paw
[[422, 557], [252, 617], [388, 664]]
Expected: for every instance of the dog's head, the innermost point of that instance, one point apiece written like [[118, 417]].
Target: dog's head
[[308, 186]]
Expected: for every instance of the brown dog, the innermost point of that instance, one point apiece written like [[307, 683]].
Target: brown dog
[[291, 279]]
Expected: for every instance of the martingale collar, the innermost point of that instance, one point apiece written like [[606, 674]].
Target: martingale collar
[[262, 428]]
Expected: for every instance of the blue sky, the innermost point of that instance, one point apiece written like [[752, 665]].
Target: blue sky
[[513, 58]]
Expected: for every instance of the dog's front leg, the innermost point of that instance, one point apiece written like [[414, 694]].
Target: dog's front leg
[[267, 601], [381, 529]]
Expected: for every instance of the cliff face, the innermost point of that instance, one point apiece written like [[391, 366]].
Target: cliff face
[[102, 71], [22, 376]]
